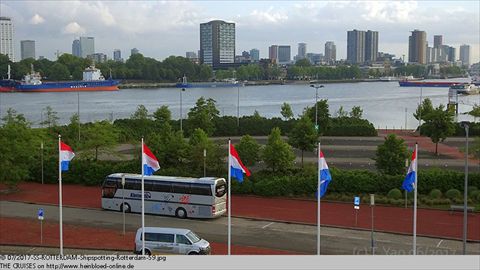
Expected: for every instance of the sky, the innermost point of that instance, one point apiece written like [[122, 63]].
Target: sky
[[163, 28]]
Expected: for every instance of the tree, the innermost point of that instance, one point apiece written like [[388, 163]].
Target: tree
[[162, 114], [438, 125], [286, 111], [391, 155], [278, 155], [422, 110], [51, 118], [202, 115], [16, 141], [197, 144], [58, 72], [169, 146], [100, 135], [303, 135], [323, 115], [356, 112], [249, 150], [341, 112], [303, 63], [140, 114], [475, 112]]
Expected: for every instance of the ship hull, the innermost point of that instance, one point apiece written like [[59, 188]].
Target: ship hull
[[76, 86]]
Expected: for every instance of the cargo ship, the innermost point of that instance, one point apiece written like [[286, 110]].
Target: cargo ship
[[93, 80], [224, 83]]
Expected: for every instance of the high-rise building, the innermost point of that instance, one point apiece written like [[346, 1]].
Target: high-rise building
[[465, 54], [255, 55], [217, 43], [117, 55], [76, 48], [371, 46], [190, 55], [6, 38], [273, 52], [87, 46], [284, 54], [134, 51], [302, 51], [27, 49], [97, 57], [437, 41], [356, 46], [452, 54], [417, 47], [314, 58], [330, 52]]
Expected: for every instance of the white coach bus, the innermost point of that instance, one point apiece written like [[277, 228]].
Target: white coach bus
[[166, 195]]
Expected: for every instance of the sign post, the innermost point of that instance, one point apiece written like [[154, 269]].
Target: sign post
[[356, 206], [123, 202], [372, 204], [40, 217]]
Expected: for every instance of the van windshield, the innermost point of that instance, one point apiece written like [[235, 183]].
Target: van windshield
[[193, 237]]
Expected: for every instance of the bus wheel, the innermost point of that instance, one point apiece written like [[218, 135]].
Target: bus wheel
[[181, 213], [147, 252], [125, 206]]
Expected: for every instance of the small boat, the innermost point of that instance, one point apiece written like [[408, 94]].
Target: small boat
[[464, 88], [223, 83]]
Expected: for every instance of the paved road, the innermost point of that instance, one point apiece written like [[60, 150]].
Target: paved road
[[247, 232]]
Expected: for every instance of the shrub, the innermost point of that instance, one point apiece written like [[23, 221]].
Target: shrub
[[472, 189], [475, 195], [435, 194], [453, 194], [394, 193]]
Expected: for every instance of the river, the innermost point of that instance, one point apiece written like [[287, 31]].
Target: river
[[385, 104]]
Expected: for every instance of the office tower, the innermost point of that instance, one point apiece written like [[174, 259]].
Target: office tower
[[417, 47], [430, 55], [134, 51], [217, 43], [87, 46], [356, 47], [6, 38], [437, 41], [371, 46], [452, 56], [330, 52], [273, 52], [117, 55], [465, 54], [27, 49], [302, 51], [76, 48], [190, 55], [255, 55], [284, 52], [97, 57]]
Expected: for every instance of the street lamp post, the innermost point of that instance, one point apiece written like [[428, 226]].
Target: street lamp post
[[181, 113], [316, 86], [78, 113], [465, 190]]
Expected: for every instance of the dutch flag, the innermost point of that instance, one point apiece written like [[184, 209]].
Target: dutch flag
[[409, 182], [324, 173], [237, 169], [149, 161], [66, 154]]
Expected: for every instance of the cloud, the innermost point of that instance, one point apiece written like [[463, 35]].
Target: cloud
[[37, 19], [269, 16], [73, 28]]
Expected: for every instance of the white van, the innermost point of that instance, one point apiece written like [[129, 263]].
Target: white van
[[171, 240]]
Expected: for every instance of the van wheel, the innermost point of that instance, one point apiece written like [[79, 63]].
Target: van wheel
[[125, 206], [193, 253], [181, 213], [147, 252]]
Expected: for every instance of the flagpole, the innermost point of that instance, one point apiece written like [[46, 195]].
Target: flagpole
[[143, 205], [229, 202], [415, 203], [318, 200], [60, 191]]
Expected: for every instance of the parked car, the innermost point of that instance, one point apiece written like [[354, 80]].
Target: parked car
[[171, 241]]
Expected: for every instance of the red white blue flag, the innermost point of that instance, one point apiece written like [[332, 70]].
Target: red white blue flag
[[66, 154], [149, 161], [324, 174], [409, 182], [237, 169]]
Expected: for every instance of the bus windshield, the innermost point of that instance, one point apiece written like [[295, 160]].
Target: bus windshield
[[220, 188]]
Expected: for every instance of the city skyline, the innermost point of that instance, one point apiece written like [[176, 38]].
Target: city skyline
[[118, 25]]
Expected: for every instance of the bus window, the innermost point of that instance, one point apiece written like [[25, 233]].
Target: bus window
[[182, 188], [220, 189], [201, 189], [133, 184], [162, 187], [148, 185]]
